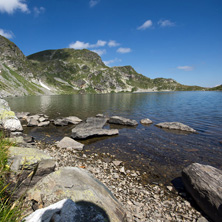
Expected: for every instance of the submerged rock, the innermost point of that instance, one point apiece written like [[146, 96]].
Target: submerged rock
[[176, 126], [68, 211], [204, 183], [80, 186], [146, 121], [67, 142], [122, 121]]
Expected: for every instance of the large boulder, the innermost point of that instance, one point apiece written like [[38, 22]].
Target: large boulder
[[8, 119], [80, 186], [93, 126], [122, 121], [22, 162], [204, 183], [67, 142], [68, 211], [176, 126]]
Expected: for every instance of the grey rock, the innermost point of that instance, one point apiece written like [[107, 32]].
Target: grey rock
[[68, 211], [46, 123], [202, 219], [32, 121], [117, 162], [73, 120], [23, 161], [176, 126], [22, 115], [204, 183], [35, 117], [67, 142], [146, 121], [12, 124], [60, 122], [85, 133], [92, 127], [100, 115], [122, 121], [78, 185], [42, 119]]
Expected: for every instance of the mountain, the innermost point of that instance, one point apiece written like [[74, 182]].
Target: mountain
[[68, 71], [216, 88]]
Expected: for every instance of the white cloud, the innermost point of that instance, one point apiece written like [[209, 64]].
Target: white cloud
[[38, 11], [9, 6], [6, 34], [92, 3], [124, 50], [86, 45], [113, 43], [111, 61], [166, 23], [99, 51], [147, 24], [100, 43], [185, 68], [79, 45]]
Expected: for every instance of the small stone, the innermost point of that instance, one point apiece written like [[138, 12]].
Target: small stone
[[146, 121], [170, 188], [122, 170], [117, 162]]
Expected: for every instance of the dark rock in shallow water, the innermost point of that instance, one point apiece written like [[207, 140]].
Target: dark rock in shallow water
[[122, 121], [92, 127], [176, 126], [85, 133], [204, 183]]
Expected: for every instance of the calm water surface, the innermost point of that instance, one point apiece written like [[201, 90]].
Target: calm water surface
[[148, 148]]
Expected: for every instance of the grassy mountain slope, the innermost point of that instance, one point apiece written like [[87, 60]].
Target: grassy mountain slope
[[68, 71]]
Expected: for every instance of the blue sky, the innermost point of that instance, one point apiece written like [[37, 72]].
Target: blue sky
[[179, 39]]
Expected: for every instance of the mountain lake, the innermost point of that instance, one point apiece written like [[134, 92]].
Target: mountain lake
[[162, 154]]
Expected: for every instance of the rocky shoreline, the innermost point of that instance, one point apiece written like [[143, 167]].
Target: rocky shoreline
[[135, 200], [151, 202]]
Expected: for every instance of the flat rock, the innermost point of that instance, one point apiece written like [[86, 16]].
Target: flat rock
[[146, 121], [46, 123], [176, 126], [73, 120], [122, 121], [25, 158], [68, 211], [80, 186], [85, 133], [204, 183], [92, 127], [67, 142], [91, 123]]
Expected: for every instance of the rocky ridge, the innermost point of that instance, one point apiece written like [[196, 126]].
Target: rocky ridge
[[69, 71]]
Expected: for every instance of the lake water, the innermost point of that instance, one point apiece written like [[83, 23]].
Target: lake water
[[160, 153]]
